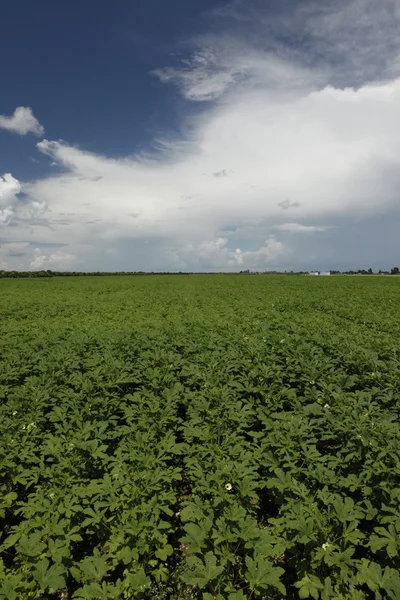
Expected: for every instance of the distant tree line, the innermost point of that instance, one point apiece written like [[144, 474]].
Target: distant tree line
[[49, 273], [394, 271]]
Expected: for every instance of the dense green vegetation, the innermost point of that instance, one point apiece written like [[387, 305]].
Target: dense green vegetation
[[212, 437]]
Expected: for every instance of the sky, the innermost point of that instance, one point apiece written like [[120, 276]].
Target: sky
[[200, 136]]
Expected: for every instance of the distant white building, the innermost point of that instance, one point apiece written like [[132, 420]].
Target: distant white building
[[320, 273]]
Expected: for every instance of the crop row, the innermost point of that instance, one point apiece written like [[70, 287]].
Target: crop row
[[236, 457]]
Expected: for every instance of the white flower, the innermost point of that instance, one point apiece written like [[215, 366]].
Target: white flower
[[29, 427], [326, 546], [228, 487], [15, 412], [326, 406]]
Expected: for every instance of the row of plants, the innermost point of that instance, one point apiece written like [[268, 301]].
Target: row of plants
[[89, 477], [236, 442]]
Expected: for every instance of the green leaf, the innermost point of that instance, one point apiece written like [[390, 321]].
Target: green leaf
[[163, 553], [49, 577], [91, 591], [31, 545], [388, 538], [201, 572], [346, 510], [93, 567], [195, 536], [372, 575], [309, 586], [261, 574], [237, 596], [139, 581], [351, 533]]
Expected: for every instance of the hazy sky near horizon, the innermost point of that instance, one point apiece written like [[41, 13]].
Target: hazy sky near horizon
[[245, 134]]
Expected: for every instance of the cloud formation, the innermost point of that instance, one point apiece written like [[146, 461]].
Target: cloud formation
[[9, 188], [299, 228], [22, 122], [293, 139], [225, 63], [350, 42], [59, 261], [334, 152]]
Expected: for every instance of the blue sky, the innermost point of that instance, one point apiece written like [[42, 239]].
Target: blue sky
[[200, 136]]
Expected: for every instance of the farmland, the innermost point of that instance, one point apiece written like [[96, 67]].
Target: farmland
[[200, 437]]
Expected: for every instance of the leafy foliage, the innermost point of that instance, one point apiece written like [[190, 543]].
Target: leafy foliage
[[223, 438]]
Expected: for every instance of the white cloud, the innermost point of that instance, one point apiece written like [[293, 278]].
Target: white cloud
[[268, 255], [283, 133], [298, 228], [22, 122], [9, 188], [202, 79], [56, 260], [214, 254], [6, 214], [38, 209], [22, 255], [351, 41], [342, 42], [333, 152], [225, 63], [12, 209]]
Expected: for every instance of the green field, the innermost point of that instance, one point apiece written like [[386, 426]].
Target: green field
[[213, 437]]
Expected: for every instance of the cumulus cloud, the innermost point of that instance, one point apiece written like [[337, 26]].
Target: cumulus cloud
[[38, 209], [14, 210], [22, 122], [24, 255], [215, 254], [298, 128], [268, 255], [56, 260], [334, 150], [9, 188]]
